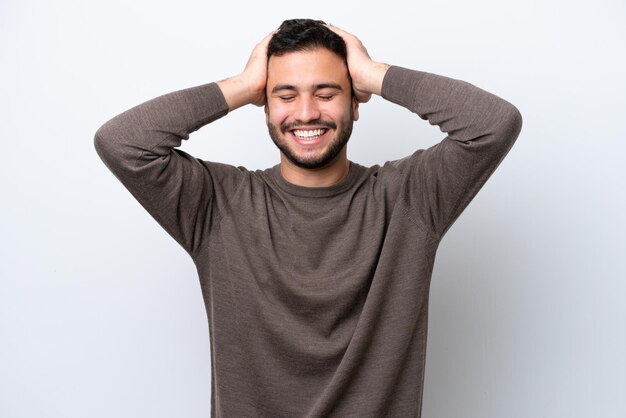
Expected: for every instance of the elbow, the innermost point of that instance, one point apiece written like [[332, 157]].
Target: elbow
[[99, 141], [510, 123], [103, 143], [110, 148], [515, 121]]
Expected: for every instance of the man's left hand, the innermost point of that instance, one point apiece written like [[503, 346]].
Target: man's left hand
[[367, 75]]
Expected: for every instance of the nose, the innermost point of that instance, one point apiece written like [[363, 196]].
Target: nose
[[306, 110]]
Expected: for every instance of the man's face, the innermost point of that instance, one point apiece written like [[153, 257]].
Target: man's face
[[310, 109]]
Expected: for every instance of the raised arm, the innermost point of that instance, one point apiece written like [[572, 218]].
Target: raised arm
[[139, 146], [481, 128]]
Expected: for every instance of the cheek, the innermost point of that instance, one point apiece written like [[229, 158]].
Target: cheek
[[277, 114]]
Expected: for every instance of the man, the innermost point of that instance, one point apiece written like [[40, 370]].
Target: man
[[315, 273]]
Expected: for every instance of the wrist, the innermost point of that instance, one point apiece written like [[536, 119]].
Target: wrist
[[238, 92], [372, 78]]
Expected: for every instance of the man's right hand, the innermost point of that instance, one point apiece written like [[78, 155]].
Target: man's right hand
[[249, 86]]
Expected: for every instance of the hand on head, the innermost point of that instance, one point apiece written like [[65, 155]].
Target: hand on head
[[255, 72], [367, 75], [249, 86]]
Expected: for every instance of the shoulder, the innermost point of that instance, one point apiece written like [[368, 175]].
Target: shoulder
[[403, 166]]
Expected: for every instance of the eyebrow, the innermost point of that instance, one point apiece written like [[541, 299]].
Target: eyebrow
[[320, 86]]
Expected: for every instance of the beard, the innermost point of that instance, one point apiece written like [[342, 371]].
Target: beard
[[316, 161]]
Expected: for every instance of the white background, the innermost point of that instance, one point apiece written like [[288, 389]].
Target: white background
[[101, 313]]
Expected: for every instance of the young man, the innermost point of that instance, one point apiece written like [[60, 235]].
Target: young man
[[315, 273]]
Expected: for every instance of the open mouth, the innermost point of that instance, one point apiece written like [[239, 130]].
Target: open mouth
[[308, 135]]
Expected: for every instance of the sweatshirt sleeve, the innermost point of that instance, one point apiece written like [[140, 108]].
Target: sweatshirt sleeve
[[181, 192], [481, 129]]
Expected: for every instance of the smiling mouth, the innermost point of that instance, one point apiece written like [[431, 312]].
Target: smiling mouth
[[308, 134]]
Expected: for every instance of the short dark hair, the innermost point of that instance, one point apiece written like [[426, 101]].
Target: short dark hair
[[306, 34]]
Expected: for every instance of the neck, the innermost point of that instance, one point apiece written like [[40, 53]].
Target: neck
[[326, 176]]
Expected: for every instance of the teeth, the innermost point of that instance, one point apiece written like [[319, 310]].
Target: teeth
[[309, 134]]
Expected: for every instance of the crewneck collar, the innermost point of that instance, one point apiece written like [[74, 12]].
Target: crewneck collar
[[302, 191]]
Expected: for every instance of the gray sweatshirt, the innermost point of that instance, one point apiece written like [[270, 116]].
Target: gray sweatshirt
[[316, 298]]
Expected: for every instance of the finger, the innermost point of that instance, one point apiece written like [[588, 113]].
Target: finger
[[268, 37], [343, 33], [260, 50], [335, 29]]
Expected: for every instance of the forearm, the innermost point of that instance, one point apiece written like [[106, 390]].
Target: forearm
[[460, 109], [238, 92], [153, 128]]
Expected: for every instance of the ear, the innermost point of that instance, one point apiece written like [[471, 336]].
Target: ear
[[267, 113], [355, 108]]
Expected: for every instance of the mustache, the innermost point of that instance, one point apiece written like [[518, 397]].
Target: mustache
[[294, 125]]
